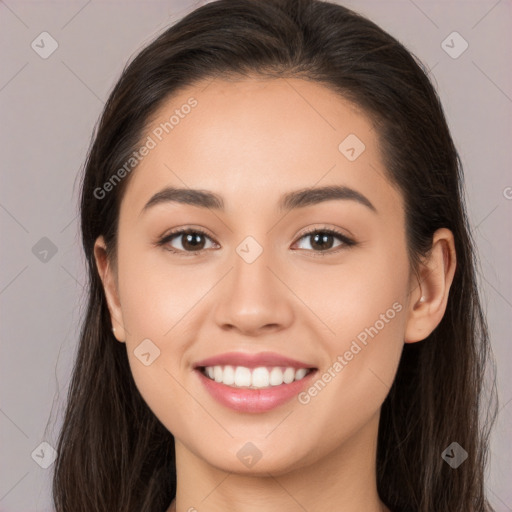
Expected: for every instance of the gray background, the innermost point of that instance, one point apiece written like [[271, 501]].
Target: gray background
[[48, 111]]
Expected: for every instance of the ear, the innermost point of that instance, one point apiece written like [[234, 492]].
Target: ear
[[429, 290], [109, 281]]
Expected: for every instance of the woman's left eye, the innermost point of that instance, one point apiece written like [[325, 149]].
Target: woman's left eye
[[193, 241], [320, 238]]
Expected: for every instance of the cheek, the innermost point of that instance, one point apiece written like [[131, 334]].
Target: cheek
[[155, 293], [161, 307], [364, 356], [368, 289], [365, 311]]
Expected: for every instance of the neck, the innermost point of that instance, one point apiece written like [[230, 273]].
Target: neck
[[344, 479]]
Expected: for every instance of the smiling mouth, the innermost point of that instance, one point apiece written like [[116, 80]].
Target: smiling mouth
[[261, 377]]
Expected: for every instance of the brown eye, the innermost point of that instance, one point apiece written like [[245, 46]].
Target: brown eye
[[322, 240], [192, 241], [188, 240]]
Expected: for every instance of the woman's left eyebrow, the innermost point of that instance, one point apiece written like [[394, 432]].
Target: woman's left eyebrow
[[290, 200]]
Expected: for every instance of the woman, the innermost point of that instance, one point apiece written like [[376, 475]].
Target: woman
[[283, 312]]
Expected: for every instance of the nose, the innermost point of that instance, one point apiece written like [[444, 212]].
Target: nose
[[255, 298]]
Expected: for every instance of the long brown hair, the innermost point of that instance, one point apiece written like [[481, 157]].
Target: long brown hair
[[113, 453]]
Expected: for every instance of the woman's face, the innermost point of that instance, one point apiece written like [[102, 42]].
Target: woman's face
[[266, 277]]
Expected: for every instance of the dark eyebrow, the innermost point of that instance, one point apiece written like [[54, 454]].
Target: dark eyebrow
[[291, 200], [309, 196]]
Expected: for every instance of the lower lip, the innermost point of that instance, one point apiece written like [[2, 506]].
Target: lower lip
[[254, 400]]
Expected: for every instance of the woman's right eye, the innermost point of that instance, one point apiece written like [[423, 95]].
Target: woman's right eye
[[190, 241]]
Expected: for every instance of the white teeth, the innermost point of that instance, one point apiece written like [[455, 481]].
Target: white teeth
[[300, 373], [260, 377], [242, 376], [276, 377], [228, 375], [289, 375]]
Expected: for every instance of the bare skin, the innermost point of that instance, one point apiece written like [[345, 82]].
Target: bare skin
[[250, 141]]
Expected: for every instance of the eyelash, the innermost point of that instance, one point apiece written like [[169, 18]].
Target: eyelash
[[346, 242]]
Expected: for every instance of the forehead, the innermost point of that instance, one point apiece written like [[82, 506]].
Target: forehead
[[244, 138]]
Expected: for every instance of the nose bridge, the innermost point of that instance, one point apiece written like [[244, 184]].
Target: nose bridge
[[252, 278], [254, 297]]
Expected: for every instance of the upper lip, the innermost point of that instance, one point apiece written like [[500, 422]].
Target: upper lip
[[252, 360]]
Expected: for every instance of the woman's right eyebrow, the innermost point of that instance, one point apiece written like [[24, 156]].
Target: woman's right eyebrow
[[290, 200]]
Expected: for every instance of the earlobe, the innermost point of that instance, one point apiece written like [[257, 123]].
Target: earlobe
[[108, 279], [430, 290]]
